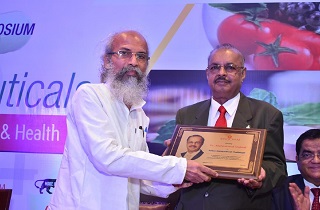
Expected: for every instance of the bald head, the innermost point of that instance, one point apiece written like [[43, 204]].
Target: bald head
[[123, 37]]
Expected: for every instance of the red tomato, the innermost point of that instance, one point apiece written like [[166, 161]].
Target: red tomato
[[238, 32], [316, 63], [312, 40], [243, 32], [277, 28], [302, 59]]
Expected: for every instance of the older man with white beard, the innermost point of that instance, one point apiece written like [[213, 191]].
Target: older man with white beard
[[106, 163]]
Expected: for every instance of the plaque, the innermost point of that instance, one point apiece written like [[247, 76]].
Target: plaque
[[233, 152]]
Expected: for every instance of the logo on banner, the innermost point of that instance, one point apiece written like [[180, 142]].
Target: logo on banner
[[46, 184], [15, 31]]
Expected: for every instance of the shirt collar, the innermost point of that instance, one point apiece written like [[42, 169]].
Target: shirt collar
[[230, 105], [309, 184]]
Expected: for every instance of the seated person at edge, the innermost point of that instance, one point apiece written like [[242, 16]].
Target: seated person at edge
[[295, 193], [106, 160], [225, 74], [194, 144]]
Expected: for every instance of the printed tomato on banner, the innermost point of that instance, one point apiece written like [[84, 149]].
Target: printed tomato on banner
[[272, 36]]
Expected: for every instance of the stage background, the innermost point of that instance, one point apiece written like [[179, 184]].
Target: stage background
[[49, 48]]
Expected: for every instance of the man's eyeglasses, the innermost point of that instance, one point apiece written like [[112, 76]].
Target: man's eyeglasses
[[126, 54], [309, 156], [230, 68]]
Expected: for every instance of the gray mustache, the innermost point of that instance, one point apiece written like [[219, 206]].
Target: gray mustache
[[124, 70], [221, 79]]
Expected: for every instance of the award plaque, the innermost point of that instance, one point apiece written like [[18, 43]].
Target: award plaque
[[233, 152]]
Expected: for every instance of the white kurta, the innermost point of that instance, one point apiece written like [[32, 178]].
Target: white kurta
[[106, 156]]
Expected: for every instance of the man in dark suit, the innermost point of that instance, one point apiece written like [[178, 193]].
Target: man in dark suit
[[225, 74], [294, 193], [194, 143]]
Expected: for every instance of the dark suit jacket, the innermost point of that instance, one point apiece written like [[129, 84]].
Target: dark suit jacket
[[194, 157], [281, 197], [222, 194]]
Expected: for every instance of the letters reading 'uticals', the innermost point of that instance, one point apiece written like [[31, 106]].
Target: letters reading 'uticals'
[[27, 92]]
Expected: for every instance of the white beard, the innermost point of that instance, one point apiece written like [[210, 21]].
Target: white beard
[[131, 90]]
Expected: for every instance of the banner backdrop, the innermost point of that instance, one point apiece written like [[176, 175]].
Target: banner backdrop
[[48, 49]]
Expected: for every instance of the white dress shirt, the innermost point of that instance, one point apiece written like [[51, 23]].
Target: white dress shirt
[[231, 106]]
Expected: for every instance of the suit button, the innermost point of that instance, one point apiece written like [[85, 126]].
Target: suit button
[[206, 194]]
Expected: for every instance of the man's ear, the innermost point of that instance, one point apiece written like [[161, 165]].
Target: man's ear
[[244, 73]]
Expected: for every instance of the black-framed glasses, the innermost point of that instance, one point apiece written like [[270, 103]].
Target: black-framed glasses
[[230, 68], [126, 54], [309, 156]]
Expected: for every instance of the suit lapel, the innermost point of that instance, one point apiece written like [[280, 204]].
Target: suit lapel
[[300, 183], [201, 116], [243, 113]]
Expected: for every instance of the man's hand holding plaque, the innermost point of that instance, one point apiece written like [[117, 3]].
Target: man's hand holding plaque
[[195, 172], [254, 183]]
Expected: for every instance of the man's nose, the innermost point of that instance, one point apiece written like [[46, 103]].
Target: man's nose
[[316, 158], [133, 60], [222, 71]]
